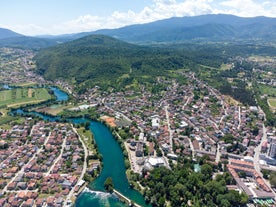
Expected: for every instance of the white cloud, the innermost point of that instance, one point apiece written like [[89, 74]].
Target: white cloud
[[160, 9], [249, 8], [82, 23]]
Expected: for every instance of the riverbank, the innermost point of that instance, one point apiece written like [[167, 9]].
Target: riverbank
[[113, 164], [84, 169], [114, 167], [92, 157]]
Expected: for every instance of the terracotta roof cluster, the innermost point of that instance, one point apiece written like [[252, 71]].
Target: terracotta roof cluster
[[248, 168]]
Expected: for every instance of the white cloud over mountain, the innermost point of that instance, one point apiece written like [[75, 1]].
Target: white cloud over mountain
[[159, 9]]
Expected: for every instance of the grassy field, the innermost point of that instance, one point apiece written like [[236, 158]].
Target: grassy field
[[269, 90], [226, 66], [232, 101], [87, 137], [53, 110], [5, 119], [272, 102], [21, 96], [25, 84]]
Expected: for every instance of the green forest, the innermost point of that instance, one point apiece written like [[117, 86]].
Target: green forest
[[183, 187]]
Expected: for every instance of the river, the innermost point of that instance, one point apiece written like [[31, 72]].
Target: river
[[113, 166], [61, 96]]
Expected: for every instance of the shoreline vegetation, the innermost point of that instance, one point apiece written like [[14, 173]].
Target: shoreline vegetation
[[93, 157]]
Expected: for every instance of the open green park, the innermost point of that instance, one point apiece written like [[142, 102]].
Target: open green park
[[272, 102], [22, 96], [269, 90]]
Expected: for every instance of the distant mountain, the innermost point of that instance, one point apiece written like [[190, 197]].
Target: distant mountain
[[27, 42], [9, 38], [212, 27], [6, 33]]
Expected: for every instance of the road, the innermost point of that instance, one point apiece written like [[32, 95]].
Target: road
[[258, 151], [58, 158], [218, 154], [239, 118], [257, 158], [31, 132], [192, 148], [225, 113], [21, 171], [187, 102], [84, 165], [169, 127], [120, 113]]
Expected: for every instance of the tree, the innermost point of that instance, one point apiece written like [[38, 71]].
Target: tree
[[228, 138], [159, 153], [272, 179], [86, 125], [161, 201], [225, 203], [206, 170], [255, 130], [108, 185]]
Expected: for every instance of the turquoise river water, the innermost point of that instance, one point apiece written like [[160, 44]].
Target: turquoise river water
[[113, 165]]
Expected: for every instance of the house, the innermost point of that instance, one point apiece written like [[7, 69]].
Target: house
[[15, 203], [32, 185], [21, 195], [11, 186], [66, 191], [59, 201], [39, 202], [155, 161], [139, 149], [28, 203], [50, 201], [2, 201], [22, 185], [66, 184]]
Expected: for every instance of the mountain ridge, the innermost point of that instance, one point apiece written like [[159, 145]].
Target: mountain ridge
[[180, 29], [6, 33], [223, 27], [210, 27]]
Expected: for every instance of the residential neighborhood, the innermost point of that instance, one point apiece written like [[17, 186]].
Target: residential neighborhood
[[43, 163], [40, 164], [191, 120]]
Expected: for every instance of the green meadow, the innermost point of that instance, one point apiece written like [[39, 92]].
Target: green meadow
[[272, 103], [22, 96]]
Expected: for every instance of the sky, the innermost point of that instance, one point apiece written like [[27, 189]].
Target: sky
[[41, 17]]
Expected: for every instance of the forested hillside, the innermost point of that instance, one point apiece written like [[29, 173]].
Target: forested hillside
[[103, 60]]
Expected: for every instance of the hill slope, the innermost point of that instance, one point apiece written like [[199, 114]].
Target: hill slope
[[27, 42], [6, 33], [103, 60], [9, 38]]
